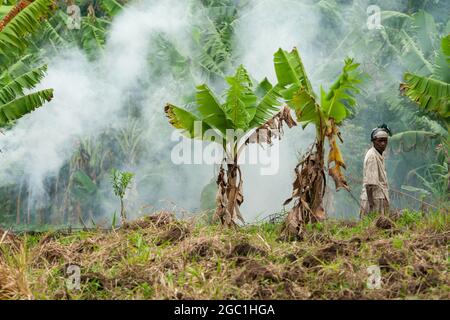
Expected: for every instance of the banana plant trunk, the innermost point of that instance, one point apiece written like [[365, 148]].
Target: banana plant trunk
[[229, 194], [308, 191], [318, 190]]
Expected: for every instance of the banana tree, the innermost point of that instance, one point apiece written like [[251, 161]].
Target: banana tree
[[432, 94], [326, 113], [248, 111], [15, 76]]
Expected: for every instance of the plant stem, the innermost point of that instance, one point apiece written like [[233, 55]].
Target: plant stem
[[122, 210]]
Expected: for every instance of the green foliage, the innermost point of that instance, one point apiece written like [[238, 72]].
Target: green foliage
[[13, 38], [298, 91], [4, 10], [15, 109], [212, 33], [54, 35], [269, 104], [412, 140], [120, 181], [337, 102], [445, 45], [15, 76], [434, 178], [241, 110], [436, 220], [14, 85], [93, 35], [111, 7], [290, 71], [317, 226], [409, 40], [430, 94], [409, 217], [84, 187], [240, 105], [191, 272]]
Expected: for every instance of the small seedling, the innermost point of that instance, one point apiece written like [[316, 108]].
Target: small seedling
[[121, 180]]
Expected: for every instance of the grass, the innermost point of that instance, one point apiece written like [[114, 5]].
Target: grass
[[159, 257]]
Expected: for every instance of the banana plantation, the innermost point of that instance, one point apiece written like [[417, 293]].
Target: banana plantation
[[125, 115]]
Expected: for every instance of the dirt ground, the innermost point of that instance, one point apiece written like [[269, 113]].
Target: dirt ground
[[160, 257]]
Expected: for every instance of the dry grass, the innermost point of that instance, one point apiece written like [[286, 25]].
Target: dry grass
[[158, 257]]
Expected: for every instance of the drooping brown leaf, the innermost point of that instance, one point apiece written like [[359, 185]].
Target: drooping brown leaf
[[335, 157], [273, 128], [335, 154], [338, 177]]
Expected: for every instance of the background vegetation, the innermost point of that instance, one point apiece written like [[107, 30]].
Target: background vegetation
[[412, 40]]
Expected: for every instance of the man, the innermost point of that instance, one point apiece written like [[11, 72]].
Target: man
[[73, 11], [375, 190]]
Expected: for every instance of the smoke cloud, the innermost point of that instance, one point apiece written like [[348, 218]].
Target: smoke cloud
[[92, 96]]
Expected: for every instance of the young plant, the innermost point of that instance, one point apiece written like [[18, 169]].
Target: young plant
[[246, 115], [121, 180], [325, 113]]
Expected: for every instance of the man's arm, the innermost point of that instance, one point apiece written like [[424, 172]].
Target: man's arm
[[370, 190], [371, 180]]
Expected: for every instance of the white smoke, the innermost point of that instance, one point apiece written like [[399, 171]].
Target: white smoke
[[91, 96]]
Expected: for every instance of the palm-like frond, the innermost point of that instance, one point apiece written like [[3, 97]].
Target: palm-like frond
[[290, 70], [430, 94], [50, 33], [240, 106], [12, 37], [267, 106], [17, 108], [263, 87], [242, 110], [305, 106], [425, 32], [412, 140], [214, 54], [16, 68], [16, 86], [445, 45], [93, 35], [442, 62], [341, 94], [412, 57], [186, 121], [13, 11], [334, 104], [111, 7], [213, 34], [211, 109]]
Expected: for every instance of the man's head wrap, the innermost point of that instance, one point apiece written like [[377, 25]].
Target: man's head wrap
[[382, 131]]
